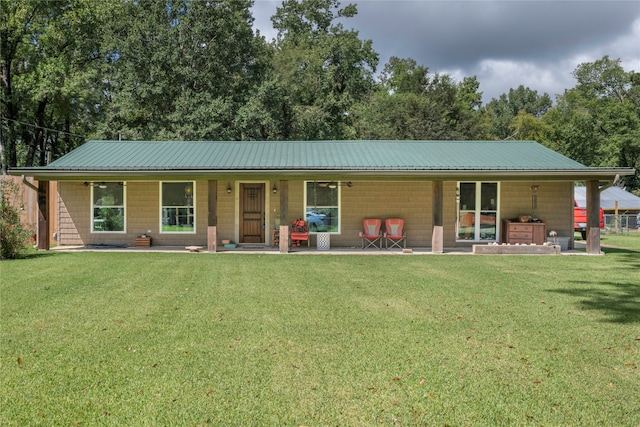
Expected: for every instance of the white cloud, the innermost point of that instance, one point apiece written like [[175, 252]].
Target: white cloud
[[498, 76], [627, 48]]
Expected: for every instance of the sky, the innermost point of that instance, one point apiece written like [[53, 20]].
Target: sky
[[505, 44]]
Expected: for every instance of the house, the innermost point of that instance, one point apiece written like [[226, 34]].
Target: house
[[452, 194], [612, 199]]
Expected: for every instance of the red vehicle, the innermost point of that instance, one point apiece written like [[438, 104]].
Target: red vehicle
[[580, 219]]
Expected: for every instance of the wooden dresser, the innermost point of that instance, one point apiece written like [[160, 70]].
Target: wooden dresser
[[524, 232], [142, 242]]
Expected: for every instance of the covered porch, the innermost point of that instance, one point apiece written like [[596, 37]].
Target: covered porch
[[450, 194]]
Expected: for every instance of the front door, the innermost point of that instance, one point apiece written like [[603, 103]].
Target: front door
[[252, 212]]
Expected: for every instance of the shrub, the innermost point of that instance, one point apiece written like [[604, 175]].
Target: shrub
[[14, 235]]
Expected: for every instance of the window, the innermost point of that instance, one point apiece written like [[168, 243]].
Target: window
[[108, 208], [477, 211], [177, 208], [323, 206]]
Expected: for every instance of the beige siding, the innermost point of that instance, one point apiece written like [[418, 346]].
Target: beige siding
[[273, 210], [143, 209], [409, 200], [226, 211], [450, 214], [73, 213], [143, 214], [555, 207], [555, 204], [54, 213]]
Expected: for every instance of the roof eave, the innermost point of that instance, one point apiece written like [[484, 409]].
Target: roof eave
[[603, 174]]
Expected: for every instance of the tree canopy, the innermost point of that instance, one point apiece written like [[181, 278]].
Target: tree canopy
[[598, 121], [74, 70]]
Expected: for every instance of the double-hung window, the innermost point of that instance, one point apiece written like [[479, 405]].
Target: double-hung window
[[177, 207], [322, 206], [477, 211], [108, 207]]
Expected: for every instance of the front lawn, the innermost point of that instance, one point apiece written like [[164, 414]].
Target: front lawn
[[629, 241], [232, 339]]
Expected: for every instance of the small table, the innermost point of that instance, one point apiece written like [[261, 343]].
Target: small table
[[275, 237], [323, 241]]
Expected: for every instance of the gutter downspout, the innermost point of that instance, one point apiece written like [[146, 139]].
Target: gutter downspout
[[609, 184], [28, 184]]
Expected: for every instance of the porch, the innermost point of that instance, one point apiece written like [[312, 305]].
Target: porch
[[268, 250], [450, 194]]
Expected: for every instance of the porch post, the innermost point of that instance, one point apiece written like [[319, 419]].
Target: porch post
[[284, 217], [593, 218], [212, 221], [43, 215], [53, 211], [437, 235]]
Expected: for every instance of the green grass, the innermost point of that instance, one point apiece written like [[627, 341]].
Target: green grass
[[230, 339], [630, 241]]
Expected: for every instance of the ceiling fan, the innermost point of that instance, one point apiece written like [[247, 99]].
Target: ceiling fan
[[101, 184], [335, 184]]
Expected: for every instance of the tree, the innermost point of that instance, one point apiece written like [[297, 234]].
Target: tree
[[526, 126], [602, 79], [48, 65], [14, 235], [404, 76], [265, 115], [319, 68], [220, 62], [502, 111], [598, 121], [411, 104], [180, 69]]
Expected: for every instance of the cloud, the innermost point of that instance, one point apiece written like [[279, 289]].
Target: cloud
[[535, 43], [262, 11], [627, 48], [497, 77], [455, 33]]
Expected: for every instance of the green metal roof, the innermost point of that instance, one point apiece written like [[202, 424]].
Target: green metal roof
[[115, 157], [312, 155]]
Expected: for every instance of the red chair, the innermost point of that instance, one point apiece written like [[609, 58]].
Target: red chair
[[394, 233], [371, 233], [299, 232]]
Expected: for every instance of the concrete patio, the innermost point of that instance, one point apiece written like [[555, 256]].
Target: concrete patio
[[267, 250]]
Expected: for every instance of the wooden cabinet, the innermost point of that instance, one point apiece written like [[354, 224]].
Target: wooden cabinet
[[143, 242], [524, 232]]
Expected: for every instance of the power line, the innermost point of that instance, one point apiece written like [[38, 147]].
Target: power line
[[45, 128]]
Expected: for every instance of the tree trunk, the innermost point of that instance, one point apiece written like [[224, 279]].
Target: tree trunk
[[8, 111], [35, 140]]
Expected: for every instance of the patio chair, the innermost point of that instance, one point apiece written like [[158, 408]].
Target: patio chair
[[299, 232], [394, 233], [371, 233]]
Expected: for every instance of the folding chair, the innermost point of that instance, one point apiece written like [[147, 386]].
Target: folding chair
[[371, 234], [394, 233], [299, 232]]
